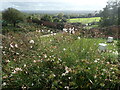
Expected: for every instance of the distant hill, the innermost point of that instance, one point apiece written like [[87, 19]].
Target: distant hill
[[58, 11]]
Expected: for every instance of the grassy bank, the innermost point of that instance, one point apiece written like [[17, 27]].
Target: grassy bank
[[62, 61]]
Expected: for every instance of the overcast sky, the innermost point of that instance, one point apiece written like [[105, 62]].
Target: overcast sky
[[54, 4]]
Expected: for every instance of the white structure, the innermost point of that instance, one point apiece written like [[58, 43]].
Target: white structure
[[110, 39], [65, 30], [69, 30], [102, 46]]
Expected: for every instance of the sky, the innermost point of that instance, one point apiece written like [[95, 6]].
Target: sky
[[54, 4]]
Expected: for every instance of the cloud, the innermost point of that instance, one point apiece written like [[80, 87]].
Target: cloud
[[54, 4]]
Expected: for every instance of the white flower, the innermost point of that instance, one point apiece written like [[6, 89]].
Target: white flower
[[24, 65], [64, 49], [116, 52], [11, 45], [31, 46], [4, 83], [7, 61], [78, 37], [95, 61], [69, 77], [1, 47], [31, 41], [67, 87], [14, 72], [45, 55], [32, 84], [42, 30], [34, 61], [63, 74], [48, 30], [16, 45], [18, 69]]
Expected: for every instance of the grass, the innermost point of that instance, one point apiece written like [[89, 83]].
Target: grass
[[84, 20], [58, 62]]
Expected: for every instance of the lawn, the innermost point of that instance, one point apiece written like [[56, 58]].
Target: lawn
[[62, 61], [84, 20]]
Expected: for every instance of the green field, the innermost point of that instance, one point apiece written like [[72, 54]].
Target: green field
[[84, 20]]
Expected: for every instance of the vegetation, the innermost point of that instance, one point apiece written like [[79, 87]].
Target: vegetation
[[109, 16], [58, 62], [84, 20], [47, 18], [12, 16]]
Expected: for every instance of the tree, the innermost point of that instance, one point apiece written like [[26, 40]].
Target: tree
[[47, 18], [109, 15], [12, 16]]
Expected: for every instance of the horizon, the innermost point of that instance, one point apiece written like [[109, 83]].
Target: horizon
[[52, 5]]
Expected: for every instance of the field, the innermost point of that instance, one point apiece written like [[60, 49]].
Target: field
[[84, 20], [61, 61]]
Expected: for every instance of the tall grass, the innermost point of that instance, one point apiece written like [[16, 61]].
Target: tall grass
[[62, 61]]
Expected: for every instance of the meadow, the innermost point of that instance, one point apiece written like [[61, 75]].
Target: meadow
[[61, 61], [84, 20]]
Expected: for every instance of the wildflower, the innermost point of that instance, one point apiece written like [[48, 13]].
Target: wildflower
[[24, 65], [31, 41], [78, 37], [34, 61], [103, 69], [32, 84], [14, 72], [95, 76], [1, 47], [4, 77], [111, 68], [64, 29], [16, 45], [48, 30], [18, 69], [95, 61], [63, 74], [67, 87], [17, 53], [67, 69], [23, 87], [64, 49], [51, 32], [116, 52], [54, 33], [69, 77], [45, 55], [7, 61], [42, 30], [11, 45], [4, 84], [31, 46]]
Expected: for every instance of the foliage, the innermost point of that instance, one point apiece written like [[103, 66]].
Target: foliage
[[47, 18], [109, 15], [62, 61], [12, 16]]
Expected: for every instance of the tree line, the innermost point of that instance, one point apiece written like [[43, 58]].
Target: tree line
[[109, 16]]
